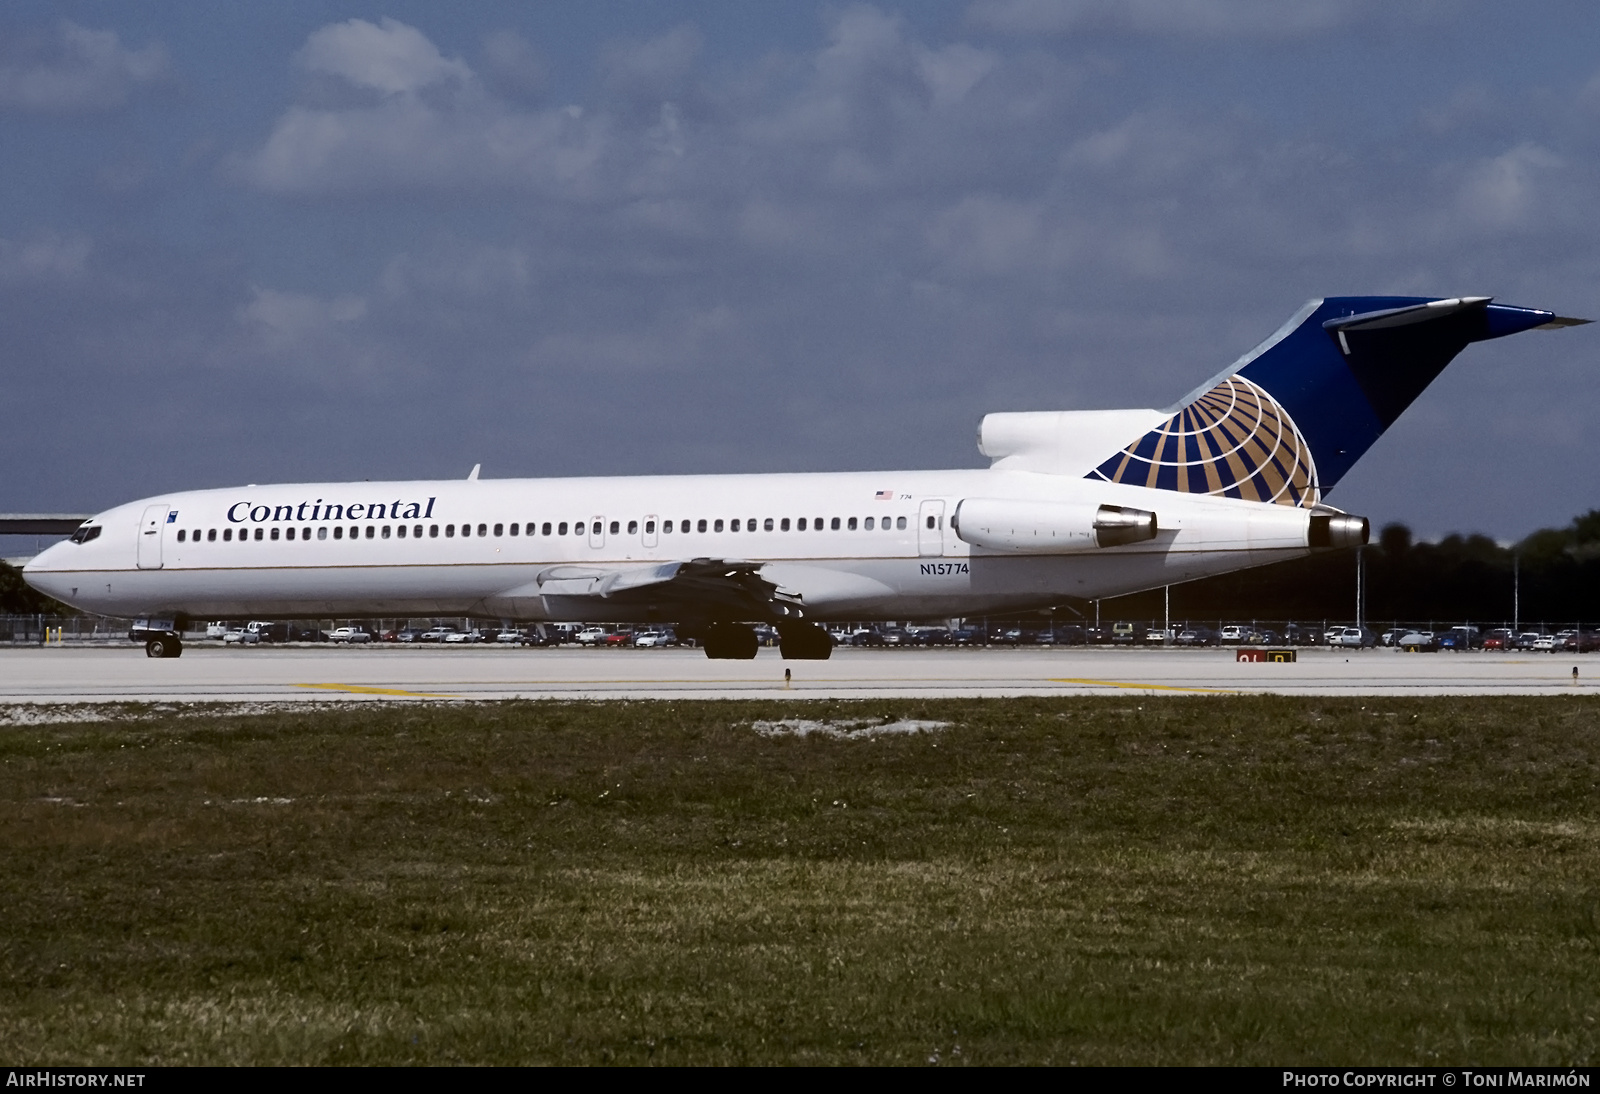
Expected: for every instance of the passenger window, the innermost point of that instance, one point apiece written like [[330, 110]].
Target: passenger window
[[702, 525], [835, 524], [322, 533], [499, 529], [784, 524], [900, 523], [666, 526], [512, 529], [633, 526], [227, 534], [561, 529], [385, 531], [433, 531], [401, 531], [817, 524], [211, 535], [258, 534], [546, 529], [614, 526], [649, 527], [305, 533], [483, 529], [750, 524], [930, 522], [338, 532], [449, 530], [766, 525], [180, 535], [733, 526], [868, 524], [416, 531], [852, 524], [274, 534], [799, 524], [717, 527]]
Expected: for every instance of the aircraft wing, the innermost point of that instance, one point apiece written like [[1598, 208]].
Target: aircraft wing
[[701, 587]]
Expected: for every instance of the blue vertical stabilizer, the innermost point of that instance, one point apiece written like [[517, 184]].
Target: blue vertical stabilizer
[[1288, 419]]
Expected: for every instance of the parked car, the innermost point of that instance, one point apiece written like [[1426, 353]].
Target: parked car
[[457, 638], [966, 636], [1296, 634], [1526, 640], [1195, 636], [1126, 634], [1351, 638], [866, 638], [655, 639], [1580, 642], [1545, 643], [591, 636], [1499, 639], [1233, 632], [1418, 642], [238, 636], [352, 635], [1069, 635], [1461, 638], [216, 630], [1392, 636], [510, 636]]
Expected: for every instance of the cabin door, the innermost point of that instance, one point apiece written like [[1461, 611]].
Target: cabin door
[[152, 526], [930, 529]]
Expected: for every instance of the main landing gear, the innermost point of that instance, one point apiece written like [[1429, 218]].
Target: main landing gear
[[804, 642], [730, 642], [798, 642], [164, 646]]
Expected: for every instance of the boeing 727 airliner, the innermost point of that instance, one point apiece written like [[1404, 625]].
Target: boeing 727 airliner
[[1075, 504]]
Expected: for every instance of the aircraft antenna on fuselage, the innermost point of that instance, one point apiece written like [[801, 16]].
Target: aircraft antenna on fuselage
[[472, 476]]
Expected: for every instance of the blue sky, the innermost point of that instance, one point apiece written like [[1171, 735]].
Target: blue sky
[[259, 243]]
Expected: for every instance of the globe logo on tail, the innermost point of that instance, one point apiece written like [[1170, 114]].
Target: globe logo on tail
[[1234, 441]]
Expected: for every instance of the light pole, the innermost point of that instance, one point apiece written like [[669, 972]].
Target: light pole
[[1360, 612], [1516, 592]]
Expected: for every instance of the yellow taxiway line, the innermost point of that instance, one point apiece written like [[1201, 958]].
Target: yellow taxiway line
[[359, 690], [1143, 687]]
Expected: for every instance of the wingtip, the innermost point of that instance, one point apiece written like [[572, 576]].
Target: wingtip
[[1559, 321]]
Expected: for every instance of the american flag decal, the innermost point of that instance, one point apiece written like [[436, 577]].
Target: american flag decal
[[884, 495]]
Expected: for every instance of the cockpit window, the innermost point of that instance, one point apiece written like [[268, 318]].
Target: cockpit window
[[86, 533]]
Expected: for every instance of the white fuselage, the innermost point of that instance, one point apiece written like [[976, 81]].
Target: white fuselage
[[397, 548]]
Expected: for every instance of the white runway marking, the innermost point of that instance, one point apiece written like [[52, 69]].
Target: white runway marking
[[411, 674]]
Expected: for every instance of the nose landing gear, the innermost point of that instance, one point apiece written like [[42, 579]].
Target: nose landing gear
[[163, 647]]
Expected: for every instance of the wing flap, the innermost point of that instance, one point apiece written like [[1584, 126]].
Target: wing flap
[[697, 589]]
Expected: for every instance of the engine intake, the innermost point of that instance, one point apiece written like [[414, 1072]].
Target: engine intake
[[1049, 527]]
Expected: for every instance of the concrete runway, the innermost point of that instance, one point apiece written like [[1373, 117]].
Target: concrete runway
[[429, 673]]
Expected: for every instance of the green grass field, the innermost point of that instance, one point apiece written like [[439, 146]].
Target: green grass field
[[1177, 880]]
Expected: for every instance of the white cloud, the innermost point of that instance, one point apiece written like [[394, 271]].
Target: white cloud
[[46, 257], [75, 70], [1502, 192], [287, 319], [1207, 18], [391, 57], [457, 270]]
